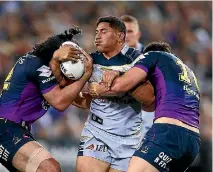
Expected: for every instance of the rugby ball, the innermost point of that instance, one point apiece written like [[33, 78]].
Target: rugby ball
[[72, 70]]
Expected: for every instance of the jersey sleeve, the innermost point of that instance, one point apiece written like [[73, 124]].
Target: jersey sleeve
[[131, 53], [148, 62], [40, 73]]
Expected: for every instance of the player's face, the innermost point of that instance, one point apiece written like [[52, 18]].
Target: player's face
[[106, 38], [132, 34]]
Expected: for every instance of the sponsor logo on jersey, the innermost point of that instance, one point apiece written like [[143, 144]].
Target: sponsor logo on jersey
[[45, 71], [48, 79], [45, 105], [4, 153], [101, 148], [91, 147]]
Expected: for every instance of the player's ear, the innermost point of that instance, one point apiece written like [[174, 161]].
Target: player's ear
[[139, 34], [121, 36]]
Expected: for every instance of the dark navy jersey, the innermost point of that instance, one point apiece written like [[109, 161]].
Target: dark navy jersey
[[176, 87], [126, 56], [116, 111], [21, 97]]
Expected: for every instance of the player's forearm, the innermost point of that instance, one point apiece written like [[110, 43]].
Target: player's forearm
[[121, 84], [69, 93], [129, 80], [109, 93]]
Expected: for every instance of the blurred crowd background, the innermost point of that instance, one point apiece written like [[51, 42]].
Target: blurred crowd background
[[186, 26]]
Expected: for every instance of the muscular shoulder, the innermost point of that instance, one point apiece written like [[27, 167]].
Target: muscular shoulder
[[36, 66], [33, 61]]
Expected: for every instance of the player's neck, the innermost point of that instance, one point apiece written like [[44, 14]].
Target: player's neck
[[136, 46], [115, 51]]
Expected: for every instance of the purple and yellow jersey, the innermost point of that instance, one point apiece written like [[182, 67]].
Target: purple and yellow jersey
[[21, 98], [176, 87]]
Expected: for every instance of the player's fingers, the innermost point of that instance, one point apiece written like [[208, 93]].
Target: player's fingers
[[88, 64], [86, 55], [75, 51], [110, 80], [90, 87], [55, 67], [71, 57], [66, 53], [92, 92], [104, 77]]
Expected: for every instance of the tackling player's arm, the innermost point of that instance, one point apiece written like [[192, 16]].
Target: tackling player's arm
[[59, 98], [142, 92], [62, 98], [134, 80], [83, 100], [69, 93], [129, 80], [65, 53]]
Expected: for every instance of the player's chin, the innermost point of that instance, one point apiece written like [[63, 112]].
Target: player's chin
[[99, 48]]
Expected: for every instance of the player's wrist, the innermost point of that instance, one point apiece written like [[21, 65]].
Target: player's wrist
[[56, 56]]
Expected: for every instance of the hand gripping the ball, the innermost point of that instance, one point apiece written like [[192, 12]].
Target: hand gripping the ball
[[67, 52], [88, 64]]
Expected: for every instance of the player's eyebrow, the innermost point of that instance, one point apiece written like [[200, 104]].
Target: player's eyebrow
[[102, 29]]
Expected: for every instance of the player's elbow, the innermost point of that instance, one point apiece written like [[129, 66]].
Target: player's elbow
[[60, 108], [61, 104], [149, 101]]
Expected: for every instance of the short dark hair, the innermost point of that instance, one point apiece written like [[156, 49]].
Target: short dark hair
[[49, 46], [158, 46], [129, 18], [114, 23]]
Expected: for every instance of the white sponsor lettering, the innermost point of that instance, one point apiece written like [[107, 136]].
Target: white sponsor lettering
[[21, 60], [162, 160], [45, 105], [48, 79], [4, 153]]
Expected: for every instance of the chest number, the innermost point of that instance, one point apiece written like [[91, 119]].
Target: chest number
[[184, 75]]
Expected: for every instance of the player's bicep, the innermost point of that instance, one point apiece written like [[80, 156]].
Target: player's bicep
[[52, 96], [144, 93]]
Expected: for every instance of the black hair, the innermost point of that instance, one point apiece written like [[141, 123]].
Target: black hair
[[49, 46], [114, 23], [158, 46]]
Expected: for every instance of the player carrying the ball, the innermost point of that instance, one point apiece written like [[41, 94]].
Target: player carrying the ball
[[112, 131]]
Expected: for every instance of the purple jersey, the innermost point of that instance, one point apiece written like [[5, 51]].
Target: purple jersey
[[21, 98], [176, 87]]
